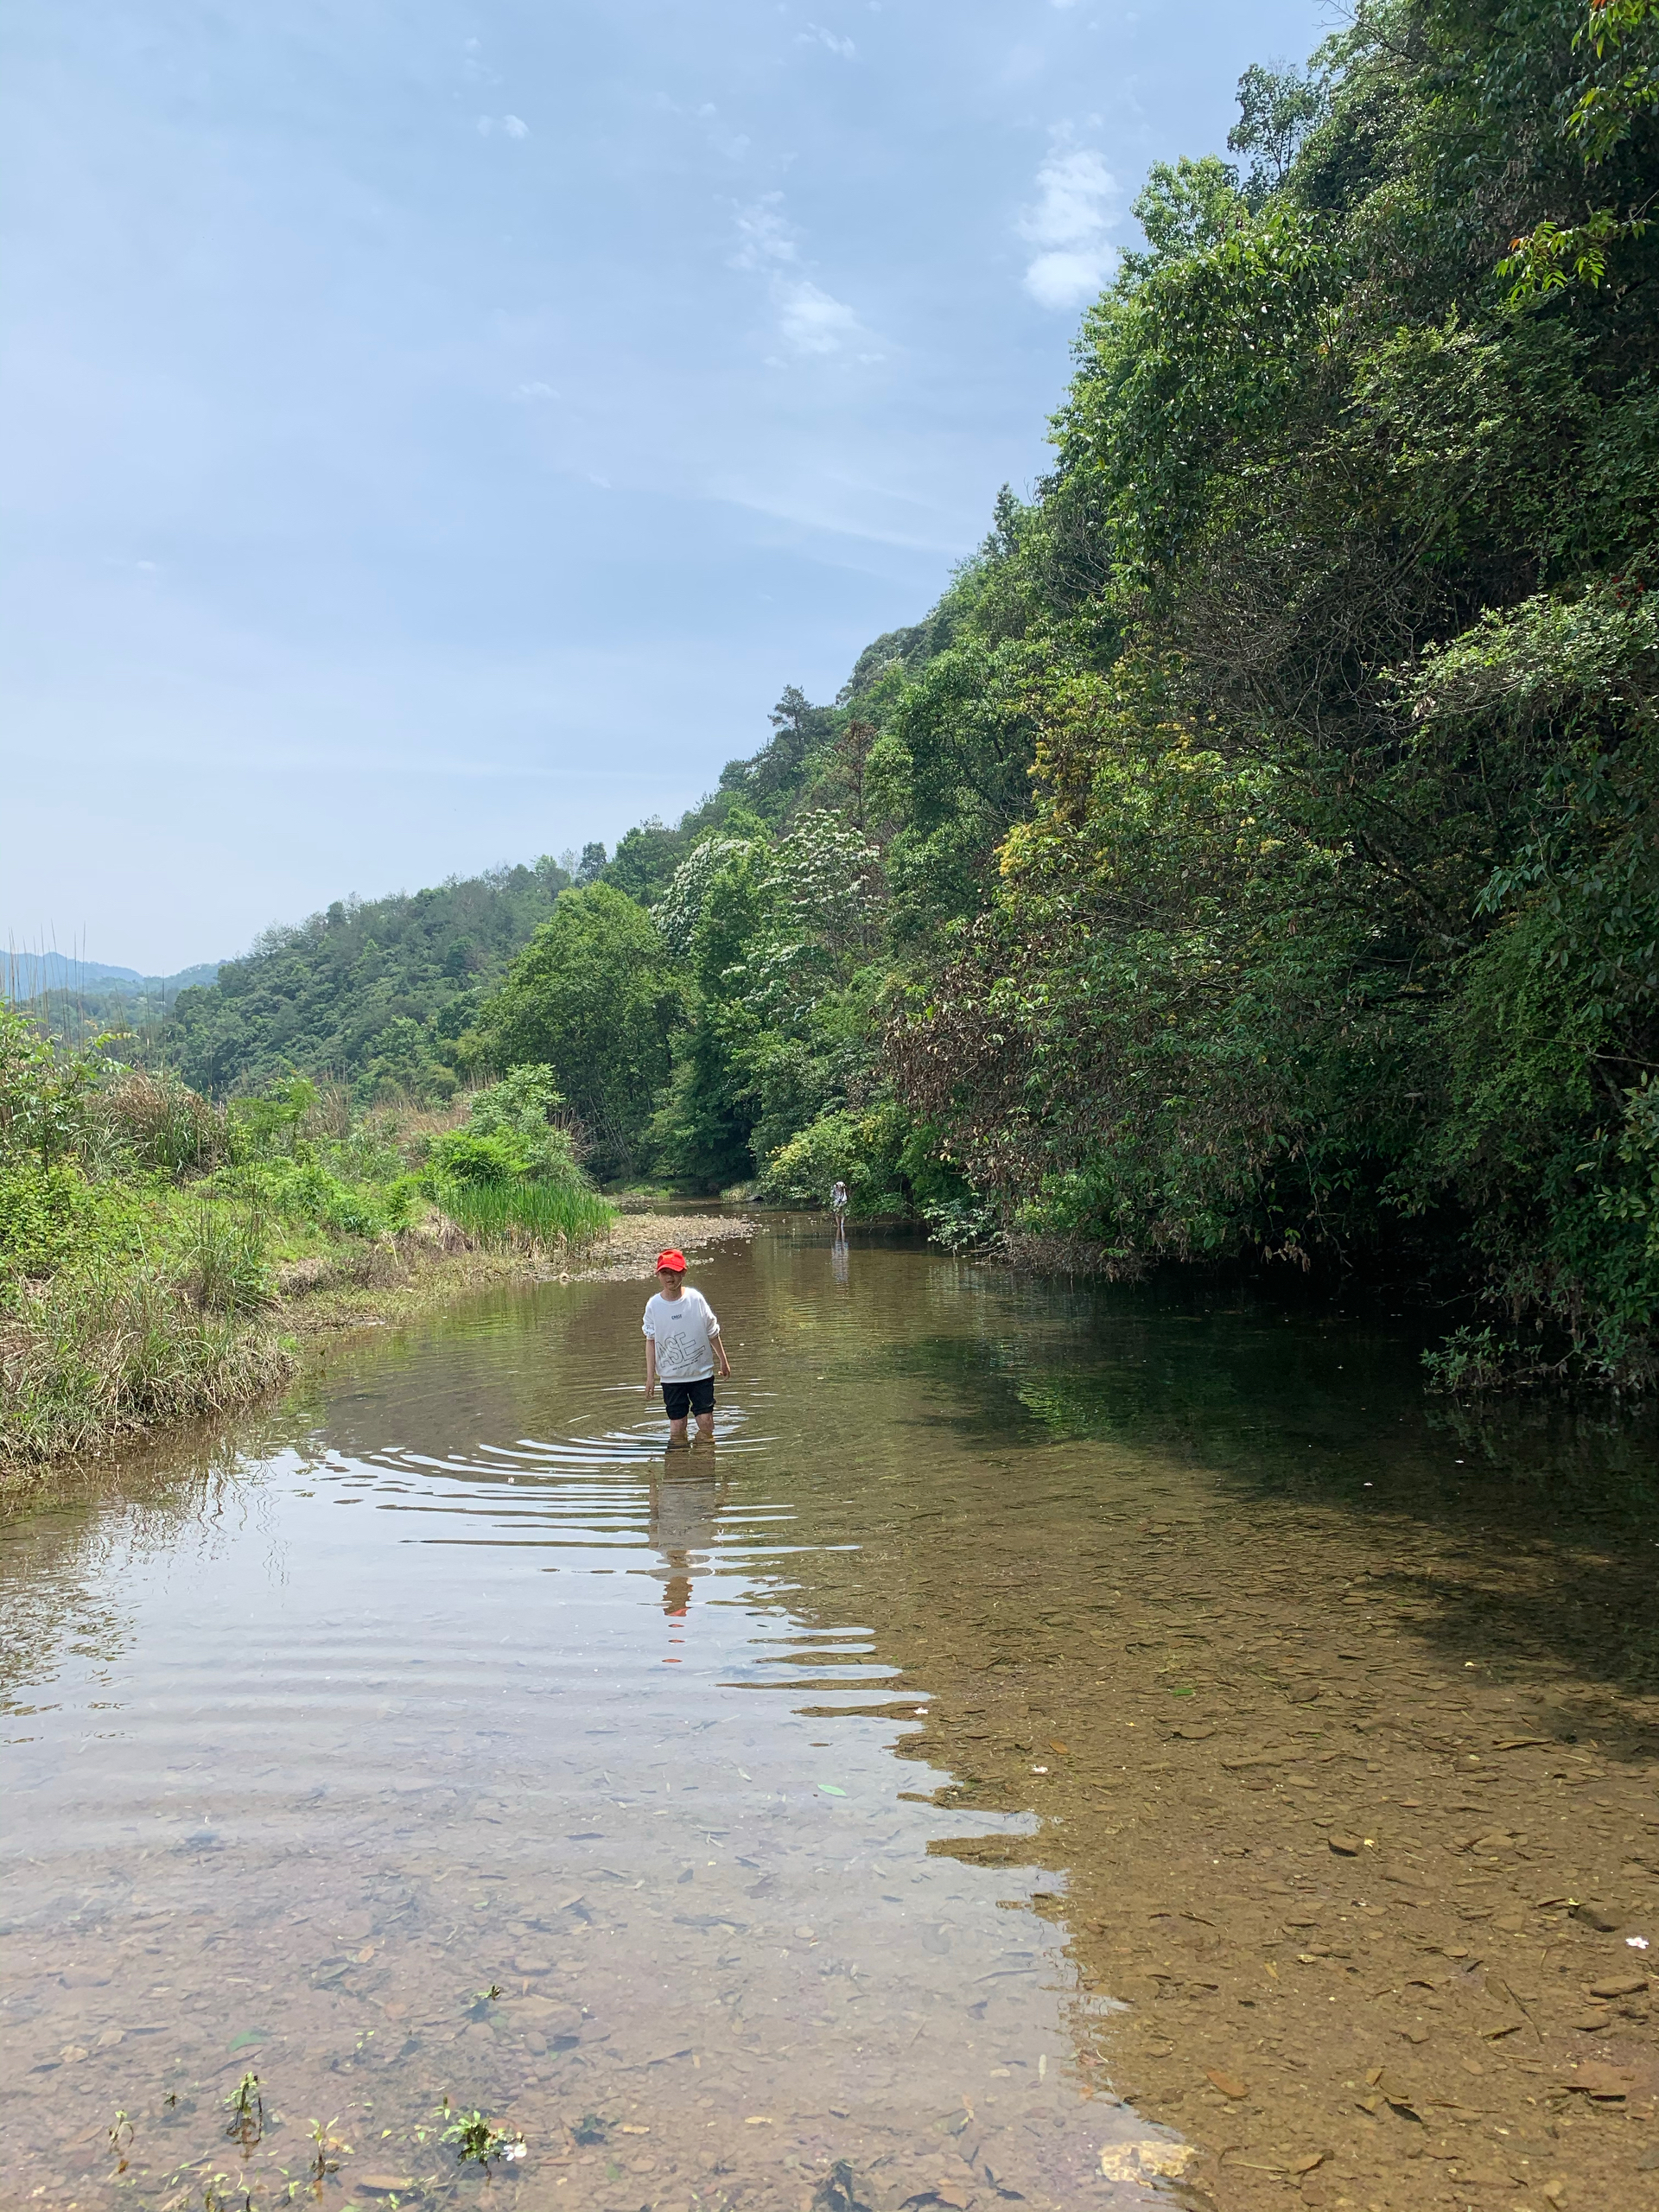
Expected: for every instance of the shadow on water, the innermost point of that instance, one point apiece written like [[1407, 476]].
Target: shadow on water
[[1552, 1505]]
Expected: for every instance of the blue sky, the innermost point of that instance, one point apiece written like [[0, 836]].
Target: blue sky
[[435, 434]]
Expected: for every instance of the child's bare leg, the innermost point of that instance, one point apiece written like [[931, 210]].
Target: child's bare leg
[[705, 1425], [676, 1431]]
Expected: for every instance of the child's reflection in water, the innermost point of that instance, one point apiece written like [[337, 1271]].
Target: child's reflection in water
[[685, 1512]]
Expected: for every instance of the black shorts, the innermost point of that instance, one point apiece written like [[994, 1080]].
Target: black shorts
[[681, 1398]]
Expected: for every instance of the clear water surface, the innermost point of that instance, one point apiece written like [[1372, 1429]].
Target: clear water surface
[[803, 1821]]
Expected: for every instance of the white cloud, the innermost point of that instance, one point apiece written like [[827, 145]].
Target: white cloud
[[510, 126], [813, 322], [1066, 278], [763, 234], [809, 320], [535, 389], [815, 35], [734, 144], [1078, 199]]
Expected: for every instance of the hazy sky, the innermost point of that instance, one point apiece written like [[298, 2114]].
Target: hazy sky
[[435, 434]]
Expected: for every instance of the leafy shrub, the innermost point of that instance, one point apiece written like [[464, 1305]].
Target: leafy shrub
[[860, 1150], [302, 1191], [522, 1107], [466, 1157], [55, 1217]]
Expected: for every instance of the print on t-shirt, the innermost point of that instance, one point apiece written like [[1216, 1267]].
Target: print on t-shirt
[[684, 1329]]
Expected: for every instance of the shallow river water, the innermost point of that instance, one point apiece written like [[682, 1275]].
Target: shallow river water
[[1058, 1748]]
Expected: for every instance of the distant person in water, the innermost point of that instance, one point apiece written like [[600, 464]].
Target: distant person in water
[[683, 1349], [838, 1203]]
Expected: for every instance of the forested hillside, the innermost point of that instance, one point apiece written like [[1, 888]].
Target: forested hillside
[[372, 991], [1257, 851]]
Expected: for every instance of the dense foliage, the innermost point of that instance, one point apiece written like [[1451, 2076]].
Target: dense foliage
[[1255, 853], [147, 1234]]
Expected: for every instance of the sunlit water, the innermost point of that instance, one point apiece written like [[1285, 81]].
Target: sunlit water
[[726, 1827]]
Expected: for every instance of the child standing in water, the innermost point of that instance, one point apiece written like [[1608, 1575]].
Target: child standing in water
[[683, 1348]]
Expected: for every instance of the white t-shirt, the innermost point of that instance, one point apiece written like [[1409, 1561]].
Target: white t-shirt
[[684, 1328]]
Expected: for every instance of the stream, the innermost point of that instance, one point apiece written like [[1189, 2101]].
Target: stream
[[1060, 1746]]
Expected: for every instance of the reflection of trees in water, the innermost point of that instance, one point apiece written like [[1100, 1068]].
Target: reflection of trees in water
[[1543, 1510], [65, 1546]]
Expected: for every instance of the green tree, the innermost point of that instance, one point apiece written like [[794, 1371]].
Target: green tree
[[591, 997]]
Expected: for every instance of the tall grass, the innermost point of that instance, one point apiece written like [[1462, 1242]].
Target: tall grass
[[519, 1211], [114, 1347]]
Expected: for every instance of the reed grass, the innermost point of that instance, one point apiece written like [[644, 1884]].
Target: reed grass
[[117, 1347], [520, 1212]]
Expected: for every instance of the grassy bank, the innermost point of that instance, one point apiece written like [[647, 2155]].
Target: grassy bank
[[160, 1254]]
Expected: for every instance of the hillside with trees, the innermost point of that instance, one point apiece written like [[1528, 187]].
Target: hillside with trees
[[372, 992], [1254, 855]]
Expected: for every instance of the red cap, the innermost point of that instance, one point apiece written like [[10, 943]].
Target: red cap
[[674, 1261]]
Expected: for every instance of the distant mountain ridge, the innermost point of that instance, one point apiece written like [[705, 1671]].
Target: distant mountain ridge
[[27, 975]]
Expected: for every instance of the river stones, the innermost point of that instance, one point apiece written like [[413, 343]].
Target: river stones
[[548, 2016], [1596, 1912]]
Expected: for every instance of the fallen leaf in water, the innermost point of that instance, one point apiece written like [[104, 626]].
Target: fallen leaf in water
[[1306, 2165], [830, 1790], [1062, 1749], [760, 2120], [1230, 2085], [383, 2184], [1518, 1743]]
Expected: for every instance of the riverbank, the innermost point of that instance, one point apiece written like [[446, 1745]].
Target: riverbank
[[201, 1366], [399, 1283]]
